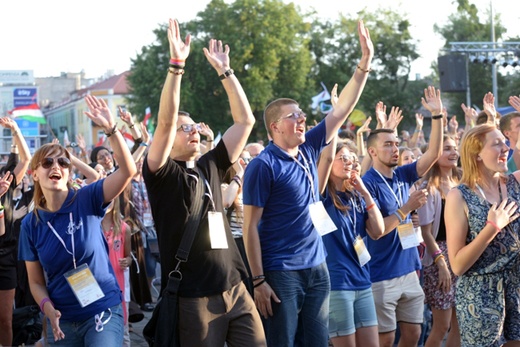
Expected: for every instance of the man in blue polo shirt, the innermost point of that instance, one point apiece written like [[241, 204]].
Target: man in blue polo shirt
[[397, 292], [281, 213]]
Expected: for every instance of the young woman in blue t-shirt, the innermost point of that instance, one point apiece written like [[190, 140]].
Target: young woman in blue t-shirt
[[63, 238]]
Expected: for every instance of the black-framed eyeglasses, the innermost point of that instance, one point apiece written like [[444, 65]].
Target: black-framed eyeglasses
[[63, 162], [188, 128], [294, 116]]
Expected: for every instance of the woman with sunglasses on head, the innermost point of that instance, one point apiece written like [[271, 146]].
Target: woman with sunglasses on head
[[63, 238], [352, 313]]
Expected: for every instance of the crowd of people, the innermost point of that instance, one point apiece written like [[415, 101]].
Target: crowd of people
[[322, 236]]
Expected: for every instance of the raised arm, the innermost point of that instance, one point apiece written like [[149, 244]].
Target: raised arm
[[23, 150], [325, 163], [100, 114], [418, 129], [236, 136], [433, 103], [5, 182], [351, 93], [164, 135]]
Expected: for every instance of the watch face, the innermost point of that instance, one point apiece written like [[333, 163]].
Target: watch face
[[73, 144]]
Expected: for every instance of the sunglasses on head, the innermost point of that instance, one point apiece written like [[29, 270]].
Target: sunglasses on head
[[63, 162], [188, 128]]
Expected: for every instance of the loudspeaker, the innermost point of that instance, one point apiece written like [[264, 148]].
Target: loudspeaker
[[452, 72]]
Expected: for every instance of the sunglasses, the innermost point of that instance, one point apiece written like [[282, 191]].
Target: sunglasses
[[63, 162], [295, 116], [347, 159], [188, 128]]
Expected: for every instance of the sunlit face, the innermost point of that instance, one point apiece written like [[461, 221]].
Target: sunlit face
[[512, 133], [386, 150], [493, 155], [407, 157], [53, 172], [186, 144], [289, 128], [450, 154], [343, 163]]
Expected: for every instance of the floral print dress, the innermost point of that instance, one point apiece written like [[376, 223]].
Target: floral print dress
[[488, 294]]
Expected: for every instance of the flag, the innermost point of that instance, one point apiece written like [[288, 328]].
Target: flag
[[29, 112], [66, 140], [129, 139], [323, 96], [101, 141], [147, 115]]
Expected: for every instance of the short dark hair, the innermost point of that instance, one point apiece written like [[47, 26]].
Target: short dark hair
[[372, 138], [505, 121]]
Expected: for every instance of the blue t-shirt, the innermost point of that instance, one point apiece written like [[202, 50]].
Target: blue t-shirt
[[282, 187], [39, 243], [389, 259], [342, 260]]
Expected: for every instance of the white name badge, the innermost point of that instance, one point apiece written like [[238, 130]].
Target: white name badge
[[407, 235], [217, 232], [84, 285], [321, 219], [147, 219], [362, 251], [418, 234]]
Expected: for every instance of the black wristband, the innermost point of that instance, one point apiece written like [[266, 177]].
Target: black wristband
[[259, 283], [112, 132], [439, 116], [226, 74]]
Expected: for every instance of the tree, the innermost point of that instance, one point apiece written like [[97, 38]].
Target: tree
[[269, 53]]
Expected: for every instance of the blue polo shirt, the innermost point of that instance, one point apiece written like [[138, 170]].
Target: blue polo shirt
[[342, 260], [389, 259], [282, 187]]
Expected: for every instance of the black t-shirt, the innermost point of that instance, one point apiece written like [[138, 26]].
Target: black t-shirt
[[441, 235], [170, 190]]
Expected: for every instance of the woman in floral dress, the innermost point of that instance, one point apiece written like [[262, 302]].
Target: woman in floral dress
[[483, 244]]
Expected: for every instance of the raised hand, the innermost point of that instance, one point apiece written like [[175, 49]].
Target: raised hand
[[417, 199], [334, 95], [178, 49], [126, 116], [99, 113], [217, 55], [367, 47], [206, 131], [394, 118], [470, 114], [489, 107], [5, 182], [380, 114], [515, 102], [419, 120], [432, 100], [80, 140], [9, 123], [365, 127], [453, 125]]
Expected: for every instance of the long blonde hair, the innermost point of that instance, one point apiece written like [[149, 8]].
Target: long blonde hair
[[471, 145]]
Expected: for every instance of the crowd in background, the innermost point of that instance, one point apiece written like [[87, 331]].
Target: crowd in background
[[321, 236]]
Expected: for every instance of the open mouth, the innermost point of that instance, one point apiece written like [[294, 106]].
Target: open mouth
[[502, 160], [55, 177]]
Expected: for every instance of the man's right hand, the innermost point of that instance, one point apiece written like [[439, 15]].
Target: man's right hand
[[417, 199]]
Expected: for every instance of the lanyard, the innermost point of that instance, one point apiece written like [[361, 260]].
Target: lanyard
[[70, 231], [399, 201], [209, 194], [307, 172]]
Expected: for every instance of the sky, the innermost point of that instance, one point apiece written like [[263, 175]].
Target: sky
[[50, 37]]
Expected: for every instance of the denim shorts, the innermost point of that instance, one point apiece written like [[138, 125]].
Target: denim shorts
[[79, 334], [350, 310]]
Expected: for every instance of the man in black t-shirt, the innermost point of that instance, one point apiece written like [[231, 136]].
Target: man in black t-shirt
[[214, 305]]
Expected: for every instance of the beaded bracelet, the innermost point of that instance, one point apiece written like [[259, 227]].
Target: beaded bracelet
[[364, 70]]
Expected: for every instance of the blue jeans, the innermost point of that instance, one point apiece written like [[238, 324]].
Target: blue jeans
[[301, 319], [79, 334]]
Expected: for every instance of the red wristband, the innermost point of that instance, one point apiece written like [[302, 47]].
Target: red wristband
[[494, 225], [180, 62], [371, 206]]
